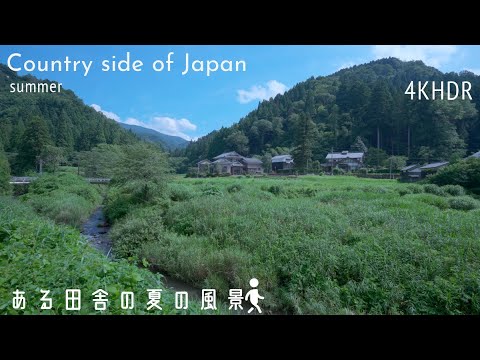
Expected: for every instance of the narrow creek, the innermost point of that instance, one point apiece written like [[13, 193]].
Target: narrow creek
[[96, 231]]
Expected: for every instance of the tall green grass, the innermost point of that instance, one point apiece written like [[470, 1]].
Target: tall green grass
[[319, 245], [63, 197]]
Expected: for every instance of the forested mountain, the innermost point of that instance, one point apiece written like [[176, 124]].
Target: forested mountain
[[31, 122], [168, 142], [365, 102]]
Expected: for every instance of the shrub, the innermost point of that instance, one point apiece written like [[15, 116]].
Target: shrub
[[434, 189], [338, 171], [211, 190], [404, 191], [463, 203], [234, 188], [275, 189], [454, 190], [437, 201], [465, 173], [179, 192], [415, 189], [136, 229]]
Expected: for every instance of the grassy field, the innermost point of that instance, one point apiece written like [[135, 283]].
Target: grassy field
[[319, 244]]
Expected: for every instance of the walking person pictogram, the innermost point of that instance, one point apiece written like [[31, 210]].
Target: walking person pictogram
[[253, 296]]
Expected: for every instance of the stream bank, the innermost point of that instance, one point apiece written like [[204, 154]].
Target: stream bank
[[96, 230]]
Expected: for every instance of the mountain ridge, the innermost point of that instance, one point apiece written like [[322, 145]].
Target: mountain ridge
[[169, 142]]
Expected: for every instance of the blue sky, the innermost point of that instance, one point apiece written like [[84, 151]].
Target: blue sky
[[192, 105]]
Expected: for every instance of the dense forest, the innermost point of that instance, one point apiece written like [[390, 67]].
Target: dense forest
[[364, 105], [50, 126]]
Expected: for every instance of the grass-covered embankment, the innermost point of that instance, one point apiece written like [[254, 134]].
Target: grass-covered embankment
[[65, 198]]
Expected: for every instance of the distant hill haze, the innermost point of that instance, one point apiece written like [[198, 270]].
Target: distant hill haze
[[364, 104], [168, 142]]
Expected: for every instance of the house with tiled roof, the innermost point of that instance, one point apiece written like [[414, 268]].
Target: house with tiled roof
[[231, 163]]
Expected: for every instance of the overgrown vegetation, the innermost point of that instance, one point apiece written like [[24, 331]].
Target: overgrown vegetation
[[318, 245], [36, 254], [5, 187], [65, 198], [465, 173]]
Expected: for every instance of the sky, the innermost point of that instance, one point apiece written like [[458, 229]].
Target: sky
[[195, 104]]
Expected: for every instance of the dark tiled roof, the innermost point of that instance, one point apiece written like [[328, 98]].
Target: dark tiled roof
[[476, 155], [227, 154], [345, 155], [282, 158], [410, 167], [251, 161], [434, 165]]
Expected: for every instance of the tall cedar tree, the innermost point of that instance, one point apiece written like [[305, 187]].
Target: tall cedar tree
[[305, 135], [34, 141]]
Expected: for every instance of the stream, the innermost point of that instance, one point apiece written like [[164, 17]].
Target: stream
[[96, 229]]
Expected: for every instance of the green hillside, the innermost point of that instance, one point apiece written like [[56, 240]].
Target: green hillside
[[31, 121], [366, 101]]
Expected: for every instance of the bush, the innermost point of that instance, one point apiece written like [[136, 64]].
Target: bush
[[434, 189], [465, 173], [454, 190], [178, 192], [437, 201], [404, 191], [136, 229], [338, 171], [463, 203], [234, 188], [211, 190], [275, 189], [415, 189]]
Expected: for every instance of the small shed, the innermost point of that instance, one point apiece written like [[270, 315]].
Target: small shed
[[411, 173], [282, 163], [204, 166]]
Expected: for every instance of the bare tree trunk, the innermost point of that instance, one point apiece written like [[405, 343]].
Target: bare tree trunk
[[378, 137]]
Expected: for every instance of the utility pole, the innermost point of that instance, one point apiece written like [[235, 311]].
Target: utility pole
[[390, 168]]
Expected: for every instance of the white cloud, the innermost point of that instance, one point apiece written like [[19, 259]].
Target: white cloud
[[260, 92], [108, 114], [166, 125], [163, 124], [433, 55]]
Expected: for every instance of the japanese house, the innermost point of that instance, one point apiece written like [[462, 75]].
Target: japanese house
[[282, 163], [411, 173], [348, 161], [231, 163], [432, 168]]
